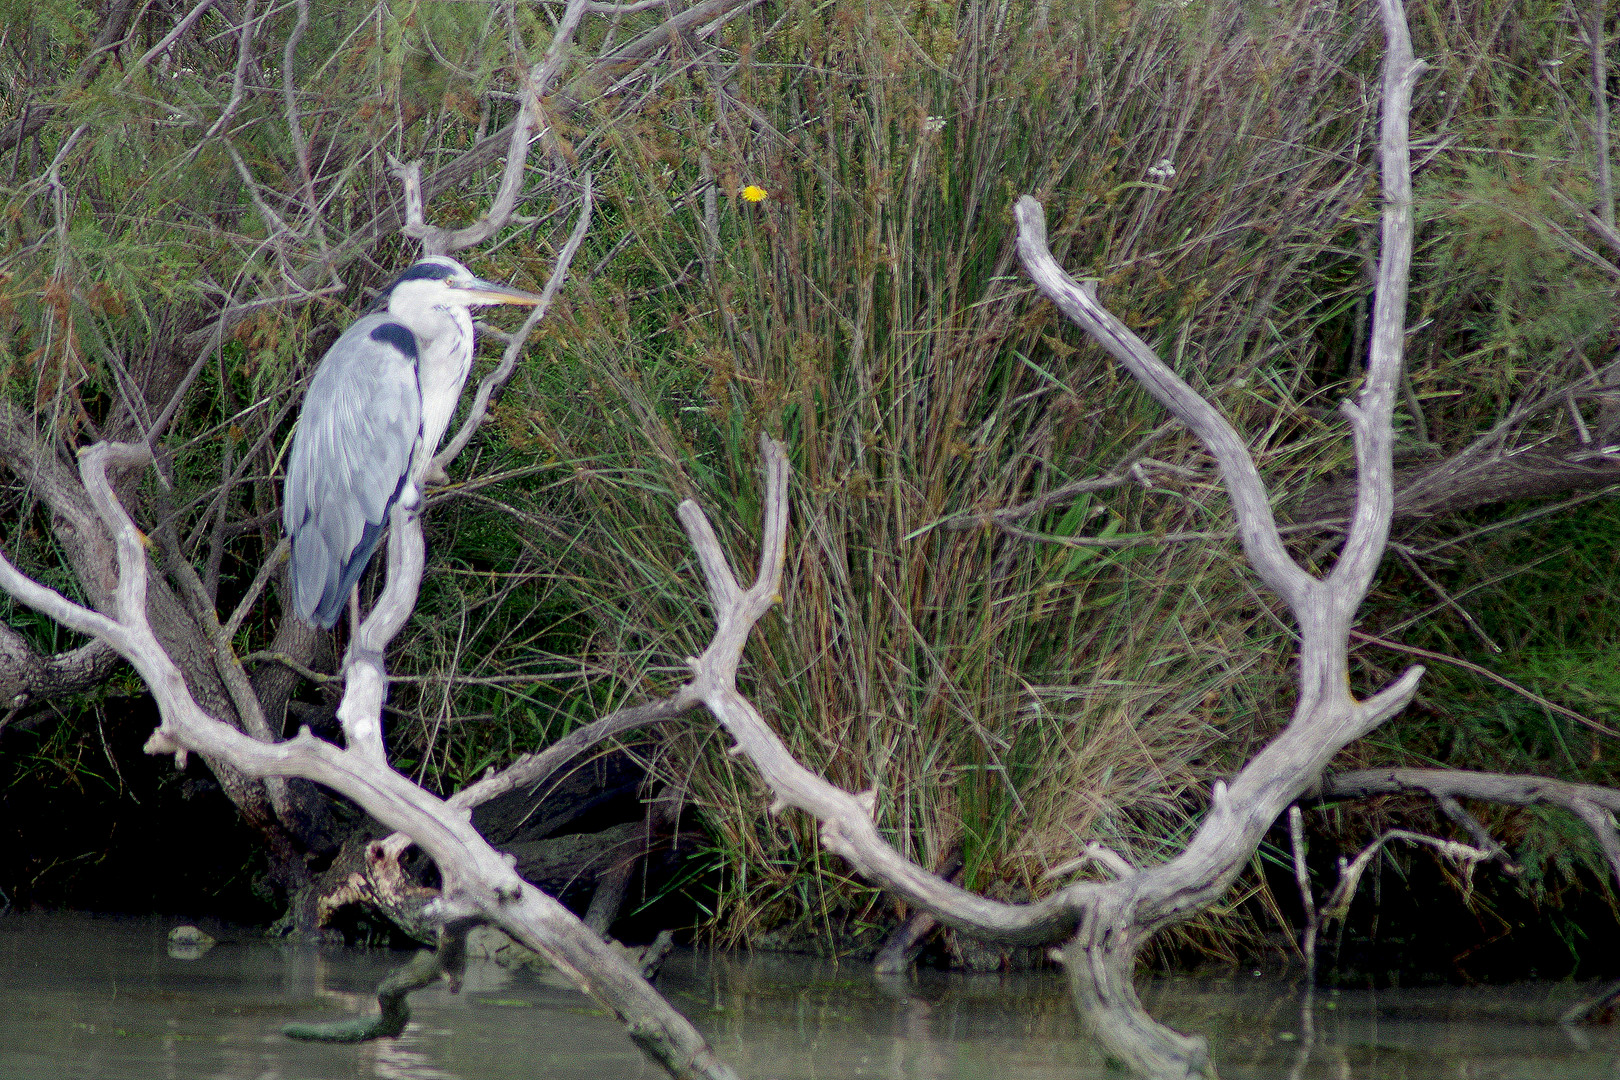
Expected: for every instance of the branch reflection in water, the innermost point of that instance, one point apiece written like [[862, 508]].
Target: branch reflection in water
[[100, 998]]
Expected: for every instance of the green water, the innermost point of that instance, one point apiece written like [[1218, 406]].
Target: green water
[[101, 999]]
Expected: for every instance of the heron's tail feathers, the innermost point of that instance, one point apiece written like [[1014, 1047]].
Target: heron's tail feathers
[[322, 579]]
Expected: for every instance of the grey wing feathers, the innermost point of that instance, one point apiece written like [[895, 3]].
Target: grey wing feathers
[[349, 460]]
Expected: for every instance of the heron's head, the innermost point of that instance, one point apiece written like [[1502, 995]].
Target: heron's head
[[439, 281]]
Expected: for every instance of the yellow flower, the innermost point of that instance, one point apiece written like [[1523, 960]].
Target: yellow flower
[[754, 193]]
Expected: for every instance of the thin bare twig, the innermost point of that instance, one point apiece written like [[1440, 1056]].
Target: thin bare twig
[[1500, 680], [514, 346]]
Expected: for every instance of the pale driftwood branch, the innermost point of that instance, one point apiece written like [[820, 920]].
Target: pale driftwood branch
[[1256, 525], [1302, 878], [478, 882], [1476, 829], [528, 126], [1337, 905], [1370, 416], [1595, 805], [365, 676], [848, 828]]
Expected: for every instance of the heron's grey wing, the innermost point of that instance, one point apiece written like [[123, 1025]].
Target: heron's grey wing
[[350, 455]]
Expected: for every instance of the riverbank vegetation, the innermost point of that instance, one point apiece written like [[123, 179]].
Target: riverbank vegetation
[[1013, 602]]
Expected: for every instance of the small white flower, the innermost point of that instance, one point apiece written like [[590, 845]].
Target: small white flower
[[1164, 169], [933, 124]]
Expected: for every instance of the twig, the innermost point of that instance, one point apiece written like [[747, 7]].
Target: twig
[[171, 37], [1482, 836], [1500, 680], [295, 126], [244, 55], [514, 346], [317, 677], [1597, 48], [1447, 601], [1337, 905], [1302, 877]]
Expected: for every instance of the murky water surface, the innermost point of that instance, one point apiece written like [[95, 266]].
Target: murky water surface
[[101, 999]]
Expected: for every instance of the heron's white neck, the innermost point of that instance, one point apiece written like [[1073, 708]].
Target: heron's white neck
[[444, 342]]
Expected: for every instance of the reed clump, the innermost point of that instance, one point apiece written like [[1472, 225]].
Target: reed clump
[[814, 241], [1012, 696]]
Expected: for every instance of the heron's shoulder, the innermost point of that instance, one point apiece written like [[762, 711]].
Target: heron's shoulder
[[373, 347], [381, 330]]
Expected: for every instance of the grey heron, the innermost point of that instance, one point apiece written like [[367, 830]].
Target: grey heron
[[372, 419]]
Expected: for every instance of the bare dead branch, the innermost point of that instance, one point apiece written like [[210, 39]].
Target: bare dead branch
[[1302, 878], [1596, 806], [1476, 829], [1115, 918], [180, 29], [1337, 905], [1256, 526], [478, 881], [496, 379], [244, 58], [1593, 30], [295, 126], [529, 125]]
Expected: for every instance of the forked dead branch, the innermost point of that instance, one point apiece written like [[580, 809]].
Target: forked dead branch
[[478, 882], [1116, 918]]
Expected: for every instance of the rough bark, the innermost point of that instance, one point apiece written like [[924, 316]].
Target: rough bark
[[26, 675], [1563, 467]]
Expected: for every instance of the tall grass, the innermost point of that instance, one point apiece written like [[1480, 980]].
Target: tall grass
[[1010, 697]]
